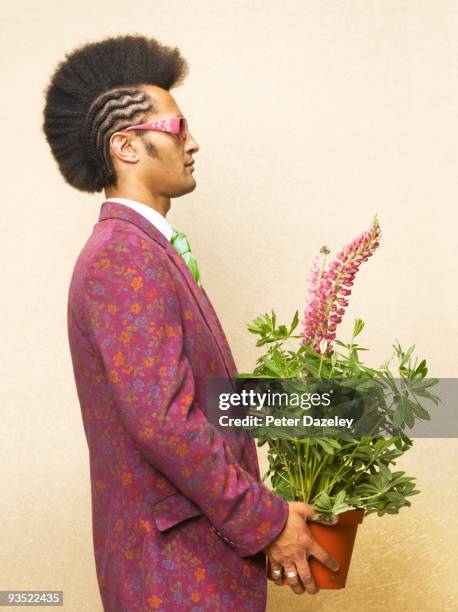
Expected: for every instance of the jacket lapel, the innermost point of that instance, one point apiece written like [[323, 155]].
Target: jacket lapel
[[115, 210]]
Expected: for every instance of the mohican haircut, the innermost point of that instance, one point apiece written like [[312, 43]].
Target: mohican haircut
[[97, 90]]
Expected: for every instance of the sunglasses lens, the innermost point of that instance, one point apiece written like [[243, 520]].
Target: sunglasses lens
[[183, 128]]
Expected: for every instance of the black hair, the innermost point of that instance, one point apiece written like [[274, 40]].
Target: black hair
[[95, 91]]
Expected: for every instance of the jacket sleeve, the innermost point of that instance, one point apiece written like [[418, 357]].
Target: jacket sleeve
[[133, 317]]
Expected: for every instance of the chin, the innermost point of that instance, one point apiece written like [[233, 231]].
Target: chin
[[194, 185], [186, 189]]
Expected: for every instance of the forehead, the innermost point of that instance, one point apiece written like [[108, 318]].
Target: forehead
[[163, 101]]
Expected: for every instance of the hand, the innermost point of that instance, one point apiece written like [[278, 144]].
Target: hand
[[292, 547]]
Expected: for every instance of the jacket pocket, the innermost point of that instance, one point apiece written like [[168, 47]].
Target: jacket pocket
[[173, 510]]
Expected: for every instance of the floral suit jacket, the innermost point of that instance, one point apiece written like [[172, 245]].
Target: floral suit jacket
[[179, 515]]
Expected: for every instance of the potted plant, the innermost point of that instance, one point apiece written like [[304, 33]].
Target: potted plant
[[346, 475]]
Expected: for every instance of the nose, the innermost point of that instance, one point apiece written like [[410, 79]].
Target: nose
[[191, 144]]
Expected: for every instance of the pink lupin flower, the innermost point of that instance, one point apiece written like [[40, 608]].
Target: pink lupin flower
[[329, 286]]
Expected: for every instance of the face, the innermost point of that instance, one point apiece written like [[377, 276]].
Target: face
[[157, 159]]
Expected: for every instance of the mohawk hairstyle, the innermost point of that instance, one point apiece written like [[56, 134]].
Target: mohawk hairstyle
[[97, 90]]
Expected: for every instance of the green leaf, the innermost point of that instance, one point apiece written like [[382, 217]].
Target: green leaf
[[419, 411], [358, 327], [404, 357], [325, 446], [384, 471], [334, 359], [270, 365], [340, 497], [421, 370], [294, 322], [420, 385], [409, 417]]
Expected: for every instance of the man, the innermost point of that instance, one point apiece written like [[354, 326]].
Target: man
[[181, 520]]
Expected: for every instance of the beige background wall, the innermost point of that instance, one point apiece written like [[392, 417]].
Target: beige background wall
[[310, 116]]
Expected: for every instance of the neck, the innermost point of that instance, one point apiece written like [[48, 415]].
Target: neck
[[140, 194]]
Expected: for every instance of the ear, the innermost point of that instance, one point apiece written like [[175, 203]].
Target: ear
[[123, 147]]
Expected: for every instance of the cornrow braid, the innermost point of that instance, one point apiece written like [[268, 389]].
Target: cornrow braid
[[110, 112], [97, 89]]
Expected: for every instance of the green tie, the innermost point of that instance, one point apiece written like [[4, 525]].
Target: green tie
[[181, 245]]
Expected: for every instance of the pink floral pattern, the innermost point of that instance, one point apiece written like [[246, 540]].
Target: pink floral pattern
[[180, 516]]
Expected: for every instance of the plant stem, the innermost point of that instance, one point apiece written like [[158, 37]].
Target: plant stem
[[345, 464], [321, 363], [320, 467], [292, 480], [299, 461], [306, 462]]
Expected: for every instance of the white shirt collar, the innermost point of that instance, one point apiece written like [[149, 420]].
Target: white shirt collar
[[149, 213]]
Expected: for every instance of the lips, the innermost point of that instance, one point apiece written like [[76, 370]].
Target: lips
[[190, 164]]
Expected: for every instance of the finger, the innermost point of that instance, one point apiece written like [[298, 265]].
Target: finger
[[305, 575], [276, 572], [309, 511], [293, 578], [324, 557]]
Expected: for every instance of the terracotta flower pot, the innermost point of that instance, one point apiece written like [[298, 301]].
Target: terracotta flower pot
[[337, 540]]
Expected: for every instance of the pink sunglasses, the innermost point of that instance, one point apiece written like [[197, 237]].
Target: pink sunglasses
[[171, 125]]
